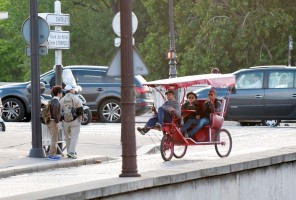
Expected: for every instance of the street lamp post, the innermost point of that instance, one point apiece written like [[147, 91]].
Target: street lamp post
[[171, 54], [290, 45], [37, 151]]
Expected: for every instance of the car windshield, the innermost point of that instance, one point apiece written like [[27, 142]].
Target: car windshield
[[46, 77]]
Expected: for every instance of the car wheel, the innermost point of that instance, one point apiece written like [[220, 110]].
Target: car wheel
[[13, 110], [110, 111], [27, 118], [87, 116], [271, 122]]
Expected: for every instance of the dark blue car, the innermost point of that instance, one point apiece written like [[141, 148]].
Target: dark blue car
[[263, 94], [102, 94]]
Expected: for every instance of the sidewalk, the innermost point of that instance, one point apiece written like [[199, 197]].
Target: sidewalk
[[249, 144], [94, 146], [21, 164], [14, 158], [30, 165], [101, 181]]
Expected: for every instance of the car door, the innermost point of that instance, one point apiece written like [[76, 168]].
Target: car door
[[247, 99], [280, 95], [92, 83]]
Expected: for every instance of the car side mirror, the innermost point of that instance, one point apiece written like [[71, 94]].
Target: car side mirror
[[42, 88], [43, 81]]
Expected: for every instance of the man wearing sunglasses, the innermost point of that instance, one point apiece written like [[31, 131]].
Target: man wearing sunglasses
[[163, 114], [211, 105]]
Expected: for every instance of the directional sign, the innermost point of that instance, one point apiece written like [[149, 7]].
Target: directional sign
[[115, 66], [59, 40], [58, 19]]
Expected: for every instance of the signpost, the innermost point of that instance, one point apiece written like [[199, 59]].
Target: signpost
[[43, 30], [58, 19], [139, 68], [59, 40], [43, 33], [116, 24], [36, 151], [36, 32]]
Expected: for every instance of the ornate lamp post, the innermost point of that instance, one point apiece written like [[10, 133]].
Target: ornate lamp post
[[171, 53], [290, 45]]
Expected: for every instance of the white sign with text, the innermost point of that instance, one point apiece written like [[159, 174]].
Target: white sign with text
[[59, 40], [58, 19]]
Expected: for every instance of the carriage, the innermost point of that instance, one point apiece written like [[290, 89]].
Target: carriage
[[173, 142]]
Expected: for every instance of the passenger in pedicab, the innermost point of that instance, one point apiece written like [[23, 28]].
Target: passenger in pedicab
[[163, 114], [191, 104], [211, 105]]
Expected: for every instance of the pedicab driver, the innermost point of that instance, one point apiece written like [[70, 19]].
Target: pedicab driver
[[163, 114], [211, 105]]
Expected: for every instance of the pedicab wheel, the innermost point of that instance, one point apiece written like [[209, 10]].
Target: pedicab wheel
[[223, 143], [179, 150], [166, 147]]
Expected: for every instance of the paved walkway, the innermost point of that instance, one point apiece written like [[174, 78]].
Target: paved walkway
[[94, 167]]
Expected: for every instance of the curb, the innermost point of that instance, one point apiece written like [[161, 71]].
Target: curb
[[41, 164], [47, 165]]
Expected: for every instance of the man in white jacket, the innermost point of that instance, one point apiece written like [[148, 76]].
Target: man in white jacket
[[71, 128]]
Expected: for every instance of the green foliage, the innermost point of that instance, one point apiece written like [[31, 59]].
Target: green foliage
[[232, 34], [227, 34]]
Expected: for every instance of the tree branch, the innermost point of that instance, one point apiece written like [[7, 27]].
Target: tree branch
[[212, 19]]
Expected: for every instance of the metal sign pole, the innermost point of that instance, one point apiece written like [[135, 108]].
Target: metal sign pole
[[58, 52], [37, 150]]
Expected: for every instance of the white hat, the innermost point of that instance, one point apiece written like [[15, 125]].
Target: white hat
[[69, 87]]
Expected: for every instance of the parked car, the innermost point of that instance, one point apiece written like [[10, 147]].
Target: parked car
[[102, 94], [262, 94]]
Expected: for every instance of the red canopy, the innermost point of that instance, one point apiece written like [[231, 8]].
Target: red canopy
[[215, 80]]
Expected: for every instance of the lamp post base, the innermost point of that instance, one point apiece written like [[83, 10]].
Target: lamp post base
[[129, 174], [37, 153]]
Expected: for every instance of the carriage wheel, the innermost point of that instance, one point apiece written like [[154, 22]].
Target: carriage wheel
[[223, 143], [166, 147], [180, 151]]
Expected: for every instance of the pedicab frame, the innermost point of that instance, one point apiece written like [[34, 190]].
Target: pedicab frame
[[173, 143]]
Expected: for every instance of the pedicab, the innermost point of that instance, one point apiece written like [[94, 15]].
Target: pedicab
[[173, 143]]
